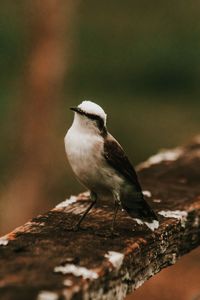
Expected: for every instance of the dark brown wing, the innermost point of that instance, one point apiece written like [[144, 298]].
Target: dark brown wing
[[117, 158]]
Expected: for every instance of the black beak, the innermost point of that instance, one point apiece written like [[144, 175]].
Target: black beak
[[76, 109]]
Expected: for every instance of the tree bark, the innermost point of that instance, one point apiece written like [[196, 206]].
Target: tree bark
[[45, 258]]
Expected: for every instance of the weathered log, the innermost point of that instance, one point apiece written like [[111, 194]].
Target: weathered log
[[45, 260]]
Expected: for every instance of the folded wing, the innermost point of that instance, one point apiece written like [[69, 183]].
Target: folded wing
[[132, 199]]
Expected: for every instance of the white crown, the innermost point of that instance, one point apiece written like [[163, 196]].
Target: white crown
[[92, 108]]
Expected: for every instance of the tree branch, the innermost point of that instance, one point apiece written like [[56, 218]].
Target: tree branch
[[45, 260]]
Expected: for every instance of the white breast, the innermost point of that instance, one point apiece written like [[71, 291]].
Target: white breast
[[85, 155]]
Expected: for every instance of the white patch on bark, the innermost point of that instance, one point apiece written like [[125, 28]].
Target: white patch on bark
[[115, 258], [4, 241], [76, 271], [146, 193], [151, 225], [46, 295], [157, 200], [173, 258], [66, 203], [176, 214], [67, 282], [196, 222], [165, 155]]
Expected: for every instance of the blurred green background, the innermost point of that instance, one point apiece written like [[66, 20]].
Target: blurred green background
[[140, 60]]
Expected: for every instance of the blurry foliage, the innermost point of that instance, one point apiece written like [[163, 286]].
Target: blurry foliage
[[12, 44], [138, 47], [141, 61]]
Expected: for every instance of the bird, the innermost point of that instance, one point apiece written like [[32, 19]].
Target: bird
[[101, 165]]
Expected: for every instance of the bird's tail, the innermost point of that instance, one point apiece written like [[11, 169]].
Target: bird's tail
[[137, 207]]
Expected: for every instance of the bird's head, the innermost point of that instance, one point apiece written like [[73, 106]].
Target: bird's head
[[90, 116]]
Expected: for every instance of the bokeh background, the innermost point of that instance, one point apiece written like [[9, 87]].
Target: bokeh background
[[140, 60]]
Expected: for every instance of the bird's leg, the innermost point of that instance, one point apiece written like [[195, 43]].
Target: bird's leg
[[93, 198], [114, 217], [117, 205]]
